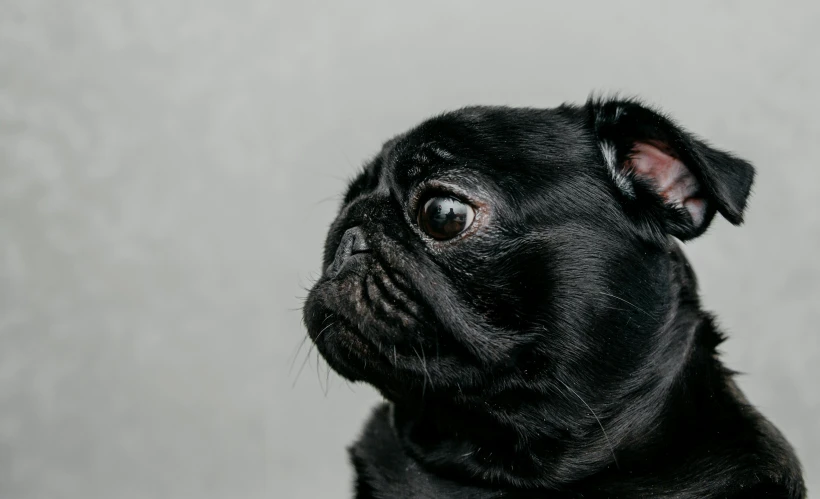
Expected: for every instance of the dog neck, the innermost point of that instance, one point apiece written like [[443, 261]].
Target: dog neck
[[549, 441]]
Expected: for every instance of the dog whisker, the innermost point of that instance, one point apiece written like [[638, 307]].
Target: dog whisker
[[329, 198], [426, 372], [423, 359], [318, 374], [606, 437], [301, 368], [327, 375], [307, 356], [296, 354], [639, 309]]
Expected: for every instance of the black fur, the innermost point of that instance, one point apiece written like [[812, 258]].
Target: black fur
[[557, 348]]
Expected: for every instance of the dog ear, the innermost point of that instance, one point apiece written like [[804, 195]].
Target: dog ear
[[666, 176]]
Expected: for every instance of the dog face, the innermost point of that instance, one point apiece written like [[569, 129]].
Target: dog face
[[490, 249]]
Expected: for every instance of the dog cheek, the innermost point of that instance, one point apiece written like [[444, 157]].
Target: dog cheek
[[517, 290]]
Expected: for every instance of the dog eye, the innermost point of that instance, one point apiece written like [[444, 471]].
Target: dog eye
[[445, 217]]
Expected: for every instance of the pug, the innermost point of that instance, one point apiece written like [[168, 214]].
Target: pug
[[511, 280]]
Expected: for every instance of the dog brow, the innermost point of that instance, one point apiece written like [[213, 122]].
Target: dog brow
[[426, 150]]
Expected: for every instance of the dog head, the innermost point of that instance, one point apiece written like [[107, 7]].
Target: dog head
[[490, 247]]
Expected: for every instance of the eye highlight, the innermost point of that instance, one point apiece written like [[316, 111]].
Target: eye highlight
[[445, 217]]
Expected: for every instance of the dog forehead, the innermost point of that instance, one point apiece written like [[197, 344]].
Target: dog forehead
[[497, 142], [443, 136], [413, 158], [453, 140]]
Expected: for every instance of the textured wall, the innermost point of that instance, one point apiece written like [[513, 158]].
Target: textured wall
[[168, 169]]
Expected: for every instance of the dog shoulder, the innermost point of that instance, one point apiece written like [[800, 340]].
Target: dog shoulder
[[775, 470]]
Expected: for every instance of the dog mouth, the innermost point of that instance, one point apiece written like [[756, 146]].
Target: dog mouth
[[364, 322], [353, 354], [345, 333]]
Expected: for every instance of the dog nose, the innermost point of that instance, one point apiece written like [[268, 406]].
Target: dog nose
[[352, 243]]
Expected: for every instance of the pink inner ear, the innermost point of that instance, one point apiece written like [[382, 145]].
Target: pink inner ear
[[673, 181]]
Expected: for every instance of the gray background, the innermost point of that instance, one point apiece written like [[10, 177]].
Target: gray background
[[168, 169]]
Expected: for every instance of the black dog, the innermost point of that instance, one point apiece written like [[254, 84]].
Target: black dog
[[509, 280]]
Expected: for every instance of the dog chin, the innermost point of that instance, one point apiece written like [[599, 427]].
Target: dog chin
[[356, 329], [345, 349]]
